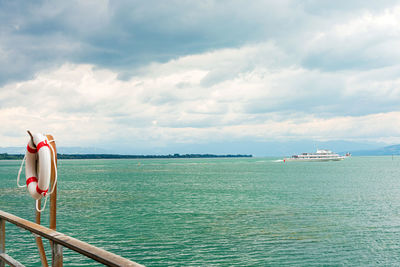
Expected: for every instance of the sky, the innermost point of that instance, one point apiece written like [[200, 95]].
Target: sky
[[200, 76]]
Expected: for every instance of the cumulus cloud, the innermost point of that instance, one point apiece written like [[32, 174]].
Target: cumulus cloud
[[169, 102], [153, 73], [362, 42], [126, 35]]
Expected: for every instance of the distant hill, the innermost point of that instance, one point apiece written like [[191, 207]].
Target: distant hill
[[384, 151], [62, 150], [13, 150], [242, 146], [259, 149]]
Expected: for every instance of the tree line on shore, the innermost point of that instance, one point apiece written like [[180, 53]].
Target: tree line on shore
[[4, 156]]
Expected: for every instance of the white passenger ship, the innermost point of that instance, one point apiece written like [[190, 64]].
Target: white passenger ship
[[320, 155]]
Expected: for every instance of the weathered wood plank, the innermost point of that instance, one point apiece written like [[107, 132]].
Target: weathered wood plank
[[81, 247], [10, 261]]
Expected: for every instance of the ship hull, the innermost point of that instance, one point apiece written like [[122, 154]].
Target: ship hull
[[309, 160]]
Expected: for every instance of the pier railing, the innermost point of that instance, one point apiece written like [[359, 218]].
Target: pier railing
[[57, 241]]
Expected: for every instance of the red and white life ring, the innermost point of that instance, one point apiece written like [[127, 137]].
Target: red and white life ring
[[38, 166]]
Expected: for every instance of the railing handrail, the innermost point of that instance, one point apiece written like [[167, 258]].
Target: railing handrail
[[81, 247]]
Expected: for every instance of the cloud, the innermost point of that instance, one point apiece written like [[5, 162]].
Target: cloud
[[169, 103], [119, 35], [363, 42], [152, 73], [126, 35]]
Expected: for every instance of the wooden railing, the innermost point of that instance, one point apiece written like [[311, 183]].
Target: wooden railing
[[57, 241]]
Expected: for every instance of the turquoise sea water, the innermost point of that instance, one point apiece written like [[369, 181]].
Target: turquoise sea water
[[220, 212]]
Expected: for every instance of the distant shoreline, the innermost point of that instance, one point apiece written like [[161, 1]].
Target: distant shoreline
[[6, 156]]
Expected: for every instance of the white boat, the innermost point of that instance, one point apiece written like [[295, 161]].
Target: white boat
[[320, 155]]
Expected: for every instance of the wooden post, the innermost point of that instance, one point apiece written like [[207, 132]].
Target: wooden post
[[2, 239], [53, 196], [39, 241], [53, 211], [56, 249], [56, 254]]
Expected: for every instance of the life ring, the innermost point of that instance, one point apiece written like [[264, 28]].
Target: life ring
[[38, 166]]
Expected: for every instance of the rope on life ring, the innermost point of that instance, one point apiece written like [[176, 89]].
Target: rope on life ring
[[38, 168]]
